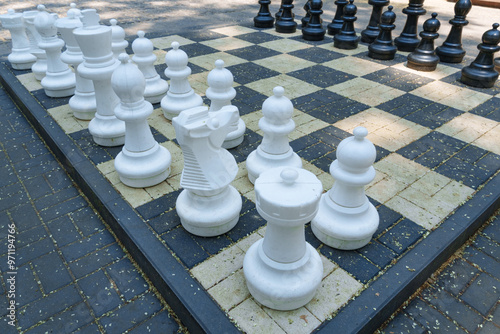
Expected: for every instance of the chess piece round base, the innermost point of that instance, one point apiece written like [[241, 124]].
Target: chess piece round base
[[314, 34], [235, 137], [450, 55], [21, 60], [173, 104], [474, 77], [382, 52], [406, 44], [259, 161], [334, 27], [282, 286], [143, 169], [209, 216], [263, 21], [60, 84], [344, 228], [155, 90], [423, 62], [107, 130], [286, 27], [83, 105], [39, 68], [369, 35]]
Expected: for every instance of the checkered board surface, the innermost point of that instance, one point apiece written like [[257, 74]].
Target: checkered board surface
[[437, 144]]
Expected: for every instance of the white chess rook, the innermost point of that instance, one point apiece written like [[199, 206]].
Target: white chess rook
[[282, 270], [59, 80], [142, 161], [220, 92], [156, 87], [275, 149], [180, 95], [83, 103], [346, 219], [98, 65], [208, 206], [39, 68], [20, 58]]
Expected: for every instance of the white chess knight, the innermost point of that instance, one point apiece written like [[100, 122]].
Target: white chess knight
[[180, 95], [59, 80], [346, 219], [208, 206], [275, 150], [20, 58], [83, 103], [39, 68], [98, 65], [156, 87], [282, 270], [142, 161], [220, 92]]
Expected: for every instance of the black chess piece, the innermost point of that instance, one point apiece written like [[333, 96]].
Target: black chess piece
[[451, 51], [314, 30], [481, 72], [346, 38], [383, 47], [307, 17], [408, 40], [278, 13], [286, 24], [372, 30], [337, 21], [424, 57], [264, 19], [497, 64]]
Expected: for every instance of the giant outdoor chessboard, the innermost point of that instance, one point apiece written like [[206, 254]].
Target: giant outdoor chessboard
[[437, 146]]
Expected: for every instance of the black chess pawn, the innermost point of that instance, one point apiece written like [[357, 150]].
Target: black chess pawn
[[481, 72], [337, 21], [264, 19], [383, 47], [424, 57], [346, 38], [371, 32], [307, 17], [451, 51], [408, 40], [314, 30], [286, 24], [278, 13]]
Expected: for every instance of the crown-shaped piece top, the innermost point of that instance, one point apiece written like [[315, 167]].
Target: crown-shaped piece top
[[220, 78], [277, 109], [356, 153], [90, 19], [141, 45], [128, 81], [176, 59], [11, 19]]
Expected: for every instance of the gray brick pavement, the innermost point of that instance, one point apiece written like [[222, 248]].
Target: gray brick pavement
[[71, 275]]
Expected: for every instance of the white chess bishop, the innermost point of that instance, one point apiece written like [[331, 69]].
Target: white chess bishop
[[59, 80], [275, 150], [98, 65], [208, 206], [220, 92], [83, 103], [282, 270], [142, 161], [20, 58], [39, 68], [156, 87], [346, 219], [180, 95], [118, 42]]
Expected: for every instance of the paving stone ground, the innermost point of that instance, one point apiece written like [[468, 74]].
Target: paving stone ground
[[69, 272]]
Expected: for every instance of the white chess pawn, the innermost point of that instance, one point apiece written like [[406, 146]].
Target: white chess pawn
[[20, 58], [275, 149], [180, 95], [142, 161], [282, 270], [98, 65], [346, 219], [59, 80], [156, 87], [220, 92], [208, 205], [39, 68], [118, 42], [83, 103]]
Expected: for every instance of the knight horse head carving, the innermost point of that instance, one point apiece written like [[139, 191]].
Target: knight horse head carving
[[208, 168]]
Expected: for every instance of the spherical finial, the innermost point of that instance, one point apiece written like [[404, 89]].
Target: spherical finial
[[289, 175], [124, 58], [175, 45], [40, 8], [219, 64], [141, 34], [434, 15], [278, 91], [113, 22], [495, 26], [360, 132], [72, 5], [390, 8]]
